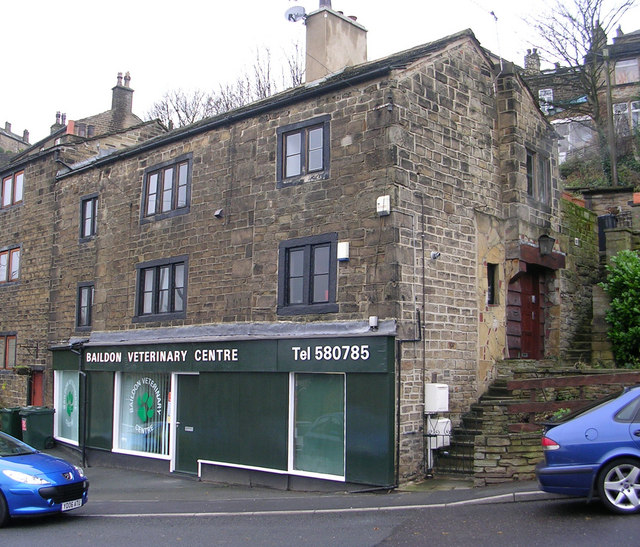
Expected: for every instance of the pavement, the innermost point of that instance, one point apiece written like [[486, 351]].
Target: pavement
[[117, 492]]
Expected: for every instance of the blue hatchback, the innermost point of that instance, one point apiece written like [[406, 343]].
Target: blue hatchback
[[596, 452], [33, 483]]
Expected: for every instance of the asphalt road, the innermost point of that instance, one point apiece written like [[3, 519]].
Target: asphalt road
[[527, 524]]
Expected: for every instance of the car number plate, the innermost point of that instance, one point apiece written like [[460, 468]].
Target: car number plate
[[68, 505]]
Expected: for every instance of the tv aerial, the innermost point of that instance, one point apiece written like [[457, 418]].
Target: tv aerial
[[295, 13]]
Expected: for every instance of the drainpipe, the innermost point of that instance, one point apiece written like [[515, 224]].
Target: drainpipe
[[78, 349]]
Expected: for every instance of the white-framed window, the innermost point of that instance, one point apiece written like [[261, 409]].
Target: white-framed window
[[141, 414], [66, 388], [12, 189], [317, 424]]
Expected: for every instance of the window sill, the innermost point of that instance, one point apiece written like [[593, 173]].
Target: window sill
[[307, 309]]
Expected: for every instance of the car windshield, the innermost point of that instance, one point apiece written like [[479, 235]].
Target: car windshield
[[9, 446]]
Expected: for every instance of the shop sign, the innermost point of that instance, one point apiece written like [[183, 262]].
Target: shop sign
[[322, 355]]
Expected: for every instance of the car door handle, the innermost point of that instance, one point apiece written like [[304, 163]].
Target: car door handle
[[636, 433]]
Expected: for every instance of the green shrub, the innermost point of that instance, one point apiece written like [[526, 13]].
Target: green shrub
[[623, 287]]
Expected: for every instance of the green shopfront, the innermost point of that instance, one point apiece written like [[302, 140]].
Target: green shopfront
[[268, 410]]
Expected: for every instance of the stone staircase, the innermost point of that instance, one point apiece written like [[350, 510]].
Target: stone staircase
[[498, 439]]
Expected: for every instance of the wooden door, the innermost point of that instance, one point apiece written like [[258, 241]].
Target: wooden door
[[531, 317]]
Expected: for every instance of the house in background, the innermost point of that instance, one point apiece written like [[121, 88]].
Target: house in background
[[264, 296], [28, 248], [10, 143], [560, 96]]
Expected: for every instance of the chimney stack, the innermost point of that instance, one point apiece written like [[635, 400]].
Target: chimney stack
[[333, 42], [532, 62], [122, 99]]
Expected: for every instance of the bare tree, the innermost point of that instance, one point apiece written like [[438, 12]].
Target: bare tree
[[574, 33], [178, 108]]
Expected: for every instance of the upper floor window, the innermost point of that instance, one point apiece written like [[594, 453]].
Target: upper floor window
[[627, 72], [8, 345], [84, 306], [307, 275], [9, 265], [88, 216], [303, 151], [167, 189], [162, 289], [545, 98], [12, 187], [538, 176]]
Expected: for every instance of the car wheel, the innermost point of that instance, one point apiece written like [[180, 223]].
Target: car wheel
[[619, 486], [4, 511]]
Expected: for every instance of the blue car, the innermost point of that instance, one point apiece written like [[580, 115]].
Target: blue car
[[595, 452], [33, 483]]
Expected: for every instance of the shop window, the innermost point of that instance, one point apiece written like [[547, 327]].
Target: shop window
[[167, 189], [162, 289], [303, 151], [318, 430], [142, 423], [66, 387], [307, 275], [84, 306], [9, 265], [12, 188], [88, 217], [8, 345]]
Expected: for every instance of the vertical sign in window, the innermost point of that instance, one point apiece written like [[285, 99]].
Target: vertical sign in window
[[318, 428], [67, 404]]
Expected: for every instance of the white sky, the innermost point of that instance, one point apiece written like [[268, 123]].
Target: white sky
[[65, 55]]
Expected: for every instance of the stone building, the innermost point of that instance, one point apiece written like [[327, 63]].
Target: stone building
[[28, 213], [261, 296], [562, 98], [10, 143]]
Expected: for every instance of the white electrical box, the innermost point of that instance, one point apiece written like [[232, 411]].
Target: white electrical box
[[438, 432], [436, 398], [383, 205]]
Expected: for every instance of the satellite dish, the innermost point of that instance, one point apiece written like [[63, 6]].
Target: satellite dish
[[294, 14]]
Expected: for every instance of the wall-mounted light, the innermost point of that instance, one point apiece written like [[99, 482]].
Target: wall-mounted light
[[435, 255], [218, 213], [373, 322], [546, 243]]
